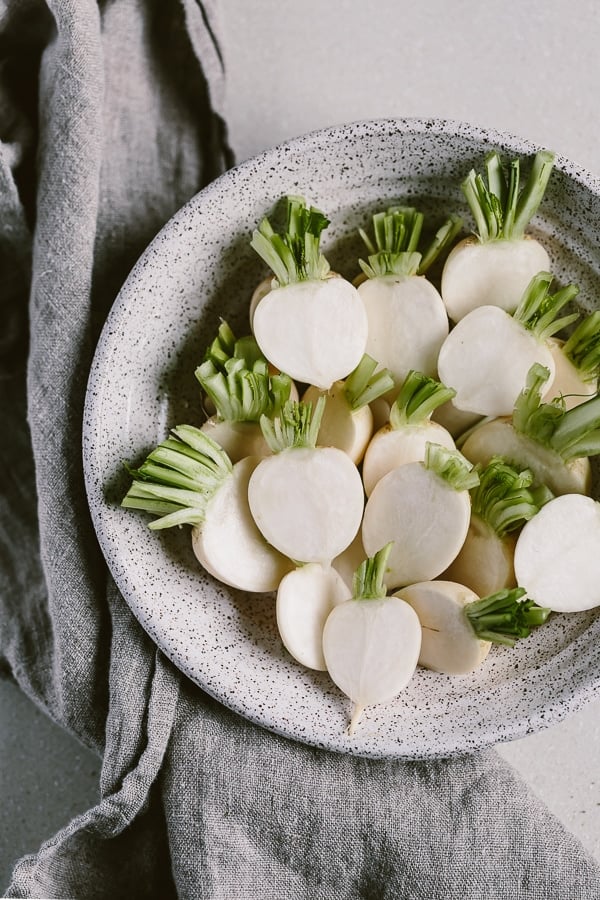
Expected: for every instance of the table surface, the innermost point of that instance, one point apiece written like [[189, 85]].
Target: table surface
[[529, 69]]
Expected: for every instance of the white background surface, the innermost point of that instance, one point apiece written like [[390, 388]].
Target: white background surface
[[530, 68]]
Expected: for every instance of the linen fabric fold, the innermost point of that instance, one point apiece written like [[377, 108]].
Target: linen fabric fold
[[111, 117]]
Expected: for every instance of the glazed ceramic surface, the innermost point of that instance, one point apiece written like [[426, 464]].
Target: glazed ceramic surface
[[200, 268]]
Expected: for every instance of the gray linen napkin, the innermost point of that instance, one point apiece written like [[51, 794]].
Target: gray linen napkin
[[110, 118]]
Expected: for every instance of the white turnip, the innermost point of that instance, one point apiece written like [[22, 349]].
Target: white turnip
[[371, 642], [305, 597], [188, 479], [310, 325], [424, 509], [556, 558], [404, 438], [555, 443], [487, 355], [494, 266], [407, 318], [306, 500]]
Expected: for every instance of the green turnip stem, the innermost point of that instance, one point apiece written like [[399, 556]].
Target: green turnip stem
[[571, 433], [451, 466], [503, 498], [502, 211], [503, 617], [178, 478], [297, 425], [496, 180], [396, 230], [583, 347], [243, 394], [222, 347], [295, 254], [417, 398], [367, 583], [226, 347], [441, 242], [533, 192], [394, 250], [538, 309], [364, 385]]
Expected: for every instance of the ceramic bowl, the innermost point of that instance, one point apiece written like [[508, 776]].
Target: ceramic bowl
[[200, 268]]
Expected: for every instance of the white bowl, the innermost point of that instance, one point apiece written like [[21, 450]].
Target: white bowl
[[201, 267]]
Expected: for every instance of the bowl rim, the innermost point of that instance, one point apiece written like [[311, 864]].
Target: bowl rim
[[525, 724]]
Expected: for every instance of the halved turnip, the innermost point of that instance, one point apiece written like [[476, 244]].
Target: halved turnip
[[456, 421], [577, 362], [424, 509], [407, 317], [347, 421], [501, 503], [459, 627], [305, 597], [409, 429], [487, 355], [348, 561], [264, 286], [553, 442], [235, 377], [494, 266], [312, 326], [556, 558], [188, 479], [306, 500], [371, 642], [448, 642]]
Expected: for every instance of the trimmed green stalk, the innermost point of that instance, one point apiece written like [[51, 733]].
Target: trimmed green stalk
[[582, 348], [504, 617], [417, 399], [501, 208], [538, 309], [396, 238], [297, 425], [242, 394], [181, 475], [451, 466], [577, 362], [294, 255], [572, 433], [235, 377]]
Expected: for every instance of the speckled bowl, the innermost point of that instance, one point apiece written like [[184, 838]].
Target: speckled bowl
[[142, 383]]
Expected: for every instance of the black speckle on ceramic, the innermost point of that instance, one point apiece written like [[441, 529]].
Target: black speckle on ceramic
[[201, 267]]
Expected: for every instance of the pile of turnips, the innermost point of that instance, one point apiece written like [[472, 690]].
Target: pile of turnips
[[407, 468]]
